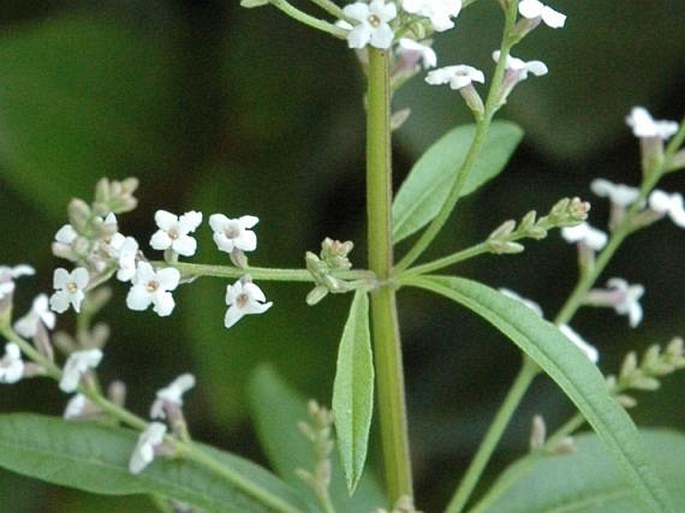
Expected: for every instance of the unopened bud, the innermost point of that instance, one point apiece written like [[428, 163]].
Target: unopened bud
[[538, 433], [79, 215], [503, 230], [566, 446]]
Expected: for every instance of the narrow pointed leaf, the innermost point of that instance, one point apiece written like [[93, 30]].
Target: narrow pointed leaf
[[570, 369], [276, 409], [427, 186], [353, 390], [589, 480], [94, 458]]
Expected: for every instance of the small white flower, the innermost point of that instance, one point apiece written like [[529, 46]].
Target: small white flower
[[11, 365], [27, 326], [457, 77], [414, 51], [644, 125], [585, 234], [171, 395], [150, 287], [230, 234], [527, 302], [520, 67], [242, 298], [439, 12], [373, 25], [144, 452], [9, 274], [627, 299], [589, 350], [618, 193], [78, 363], [77, 407], [533, 9], [668, 204], [125, 251], [173, 232], [70, 289]]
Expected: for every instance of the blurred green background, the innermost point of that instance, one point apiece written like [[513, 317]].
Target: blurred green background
[[227, 110]]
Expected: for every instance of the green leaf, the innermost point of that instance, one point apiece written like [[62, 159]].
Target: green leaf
[[276, 410], [570, 369], [589, 481], [95, 458], [353, 390], [425, 190]]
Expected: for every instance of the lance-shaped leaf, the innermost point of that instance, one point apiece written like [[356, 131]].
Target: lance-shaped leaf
[[428, 184], [353, 390], [94, 458], [570, 369], [586, 481], [277, 409]]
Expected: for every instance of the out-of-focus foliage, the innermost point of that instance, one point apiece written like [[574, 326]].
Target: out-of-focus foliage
[[228, 110]]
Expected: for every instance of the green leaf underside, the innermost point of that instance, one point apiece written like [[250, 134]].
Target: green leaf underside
[[580, 380], [94, 458], [276, 410], [589, 481], [353, 390], [427, 186]]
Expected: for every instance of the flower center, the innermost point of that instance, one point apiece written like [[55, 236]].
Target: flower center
[[72, 287], [232, 230], [173, 234], [242, 300], [374, 20], [152, 286]]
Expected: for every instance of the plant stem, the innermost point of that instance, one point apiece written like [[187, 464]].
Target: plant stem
[[524, 465], [384, 322], [492, 105], [259, 273], [308, 20], [529, 370]]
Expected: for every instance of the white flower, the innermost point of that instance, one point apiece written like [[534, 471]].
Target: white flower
[[78, 363], [144, 452], [173, 232], [70, 287], [521, 68], [9, 274], [230, 234], [643, 125], [668, 204], [585, 234], [27, 326], [125, 251], [589, 350], [527, 302], [458, 76], [150, 287], [171, 395], [414, 52], [627, 299], [11, 365], [244, 297], [619, 194], [373, 25], [440, 12], [533, 9], [77, 407]]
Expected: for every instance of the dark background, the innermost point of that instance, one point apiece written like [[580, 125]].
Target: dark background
[[221, 109]]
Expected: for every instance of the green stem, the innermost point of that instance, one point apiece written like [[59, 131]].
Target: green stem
[[308, 20], [196, 454], [384, 322], [161, 504], [331, 8], [492, 105], [518, 389], [520, 468], [260, 273], [440, 263]]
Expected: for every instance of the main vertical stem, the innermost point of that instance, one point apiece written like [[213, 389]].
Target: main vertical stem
[[387, 348]]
